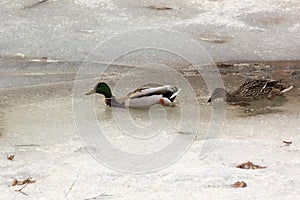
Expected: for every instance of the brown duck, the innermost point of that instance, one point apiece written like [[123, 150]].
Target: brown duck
[[251, 90]]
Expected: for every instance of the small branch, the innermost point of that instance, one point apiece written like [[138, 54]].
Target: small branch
[[26, 145], [71, 187], [24, 182], [159, 8], [35, 4], [20, 190], [287, 143], [184, 133], [96, 197]]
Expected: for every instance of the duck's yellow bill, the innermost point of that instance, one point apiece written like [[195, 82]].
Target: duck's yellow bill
[[90, 92]]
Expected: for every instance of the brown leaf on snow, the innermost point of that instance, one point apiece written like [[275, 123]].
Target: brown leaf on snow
[[10, 157], [239, 184], [22, 182], [249, 165]]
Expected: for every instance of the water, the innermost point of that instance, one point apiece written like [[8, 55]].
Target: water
[[37, 124]]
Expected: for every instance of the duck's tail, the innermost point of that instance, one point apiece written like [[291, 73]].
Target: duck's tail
[[175, 92], [287, 89]]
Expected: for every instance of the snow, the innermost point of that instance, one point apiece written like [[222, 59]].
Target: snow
[[42, 48], [70, 30]]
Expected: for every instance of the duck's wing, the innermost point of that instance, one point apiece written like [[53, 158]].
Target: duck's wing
[[279, 86], [250, 89], [160, 91], [149, 91], [260, 88], [257, 84]]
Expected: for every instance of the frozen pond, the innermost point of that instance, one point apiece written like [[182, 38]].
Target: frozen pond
[[228, 30], [37, 125], [49, 48]]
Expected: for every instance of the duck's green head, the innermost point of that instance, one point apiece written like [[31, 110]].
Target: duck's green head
[[101, 88]]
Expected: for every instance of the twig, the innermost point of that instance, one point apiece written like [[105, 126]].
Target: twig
[[35, 4], [185, 133], [20, 190], [96, 197], [287, 143], [26, 145], [159, 8], [71, 187]]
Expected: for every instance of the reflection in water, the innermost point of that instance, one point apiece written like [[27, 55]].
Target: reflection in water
[[51, 115], [264, 106], [140, 130]]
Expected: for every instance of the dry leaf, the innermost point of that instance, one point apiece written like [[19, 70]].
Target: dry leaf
[[22, 182], [10, 157], [249, 165], [239, 184], [15, 182]]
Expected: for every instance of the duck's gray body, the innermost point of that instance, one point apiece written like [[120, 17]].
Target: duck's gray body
[[140, 98]]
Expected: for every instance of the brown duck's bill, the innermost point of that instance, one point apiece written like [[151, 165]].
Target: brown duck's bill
[[90, 92]]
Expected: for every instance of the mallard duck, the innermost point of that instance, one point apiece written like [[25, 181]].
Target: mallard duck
[[140, 98], [251, 90]]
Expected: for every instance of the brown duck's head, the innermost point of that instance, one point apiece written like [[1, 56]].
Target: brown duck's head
[[218, 93]]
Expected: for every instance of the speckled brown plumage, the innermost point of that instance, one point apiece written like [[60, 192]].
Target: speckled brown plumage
[[251, 90]]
